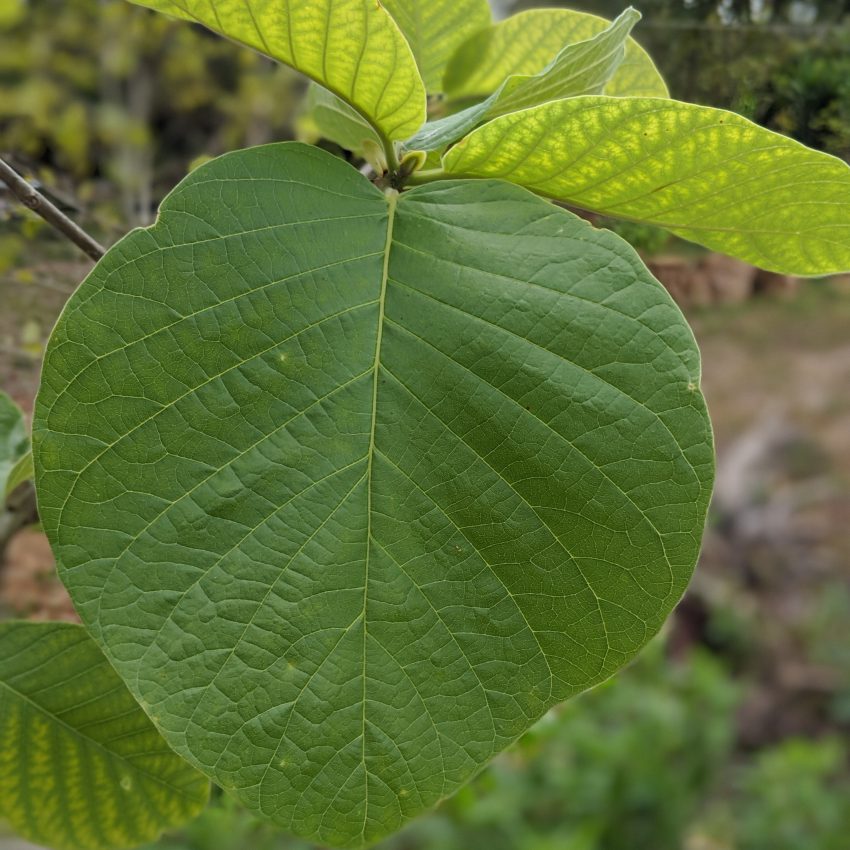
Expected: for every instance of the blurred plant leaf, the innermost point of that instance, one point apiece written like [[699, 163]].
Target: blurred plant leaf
[[435, 29], [337, 121], [14, 440], [525, 43], [22, 471], [82, 767]]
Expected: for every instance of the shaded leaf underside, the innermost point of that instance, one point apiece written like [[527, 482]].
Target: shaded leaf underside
[[351, 489], [435, 29]]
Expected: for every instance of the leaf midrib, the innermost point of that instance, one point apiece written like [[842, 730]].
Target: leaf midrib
[[392, 202]]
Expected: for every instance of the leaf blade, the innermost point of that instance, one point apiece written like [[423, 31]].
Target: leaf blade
[[73, 718], [707, 175], [351, 47], [295, 561]]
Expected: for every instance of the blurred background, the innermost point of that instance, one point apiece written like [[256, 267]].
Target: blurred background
[[730, 730]]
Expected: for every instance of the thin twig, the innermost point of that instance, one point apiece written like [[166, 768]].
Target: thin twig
[[19, 509], [35, 201]]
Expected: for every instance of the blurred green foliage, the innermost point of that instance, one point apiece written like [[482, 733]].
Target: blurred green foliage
[[805, 92], [121, 100], [803, 800]]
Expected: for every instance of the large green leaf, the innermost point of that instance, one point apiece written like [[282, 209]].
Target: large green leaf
[[81, 766], [351, 47], [527, 42], [705, 174], [435, 29], [578, 69], [351, 488], [14, 441]]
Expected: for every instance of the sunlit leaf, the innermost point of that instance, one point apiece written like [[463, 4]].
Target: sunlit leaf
[[81, 766], [705, 174], [527, 42], [351, 47], [353, 487], [578, 69], [435, 29]]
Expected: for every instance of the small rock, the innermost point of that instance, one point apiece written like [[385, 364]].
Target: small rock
[[730, 281], [775, 285]]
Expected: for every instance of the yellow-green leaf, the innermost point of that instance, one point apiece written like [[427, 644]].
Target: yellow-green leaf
[[436, 29], [81, 766], [705, 174], [582, 68], [352, 47], [527, 42]]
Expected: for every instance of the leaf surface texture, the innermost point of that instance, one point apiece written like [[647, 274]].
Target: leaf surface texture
[[705, 174]]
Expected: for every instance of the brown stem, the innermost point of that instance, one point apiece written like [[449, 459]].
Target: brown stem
[[29, 197]]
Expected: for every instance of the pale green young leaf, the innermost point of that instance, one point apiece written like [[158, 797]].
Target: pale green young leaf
[[81, 766], [435, 29], [707, 175], [337, 121], [20, 472], [351, 47], [527, 42], [372, 481], [580, 68], [14, 441]]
